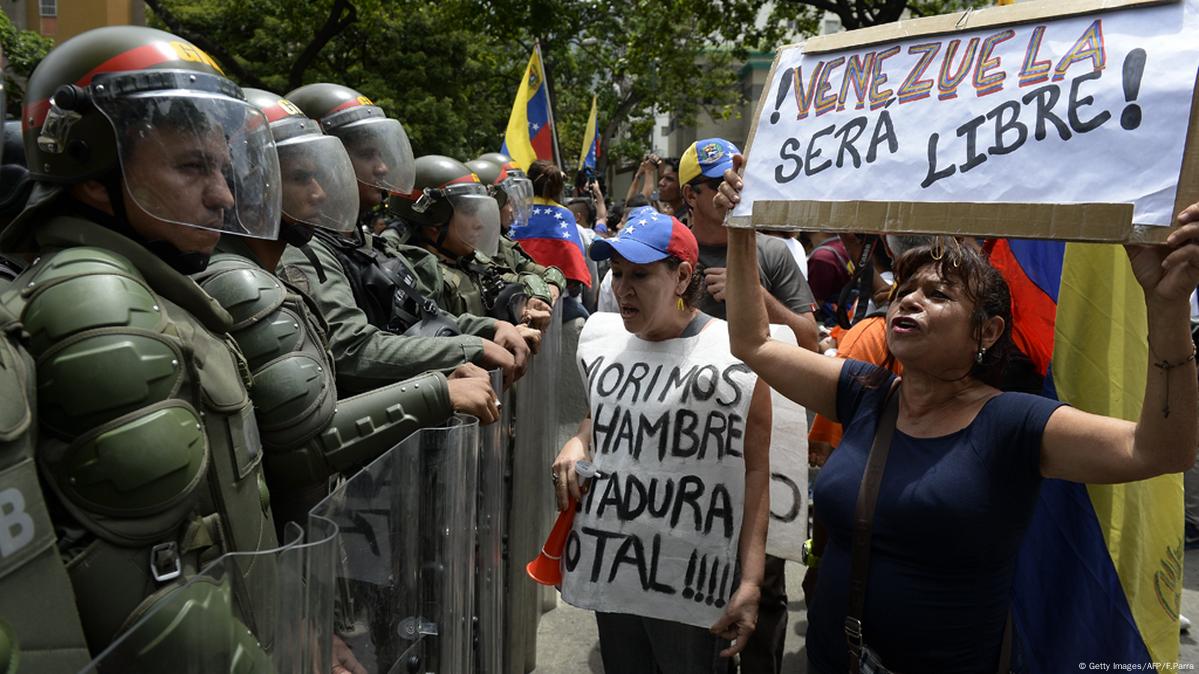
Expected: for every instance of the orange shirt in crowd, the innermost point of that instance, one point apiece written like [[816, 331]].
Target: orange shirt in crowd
[[865, 341]]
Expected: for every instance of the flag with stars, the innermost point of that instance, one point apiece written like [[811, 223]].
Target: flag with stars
[[530, 134], [552, 239]]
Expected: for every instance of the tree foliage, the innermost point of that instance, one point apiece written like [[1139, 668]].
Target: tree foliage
[[23, 49], [449, 70]]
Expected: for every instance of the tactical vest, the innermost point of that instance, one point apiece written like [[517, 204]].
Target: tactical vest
[[147, 438], [308, 434], [482, 290], [385, 289]]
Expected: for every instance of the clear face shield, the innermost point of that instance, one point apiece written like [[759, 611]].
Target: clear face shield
[[519, 190], [192, 153], [378, 147], [476, 219], [318, 184]]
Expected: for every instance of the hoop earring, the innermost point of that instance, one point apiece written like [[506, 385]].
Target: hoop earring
[[678, 302], [978, 357]]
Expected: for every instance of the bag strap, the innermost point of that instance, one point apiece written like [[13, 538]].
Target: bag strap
[[863, 516], [872, 478]]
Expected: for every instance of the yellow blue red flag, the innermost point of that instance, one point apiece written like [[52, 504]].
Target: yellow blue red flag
[[591, 146], [530, 134], [1099, 577]]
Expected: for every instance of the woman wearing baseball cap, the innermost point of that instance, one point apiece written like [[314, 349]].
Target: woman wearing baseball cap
[[681, 428]]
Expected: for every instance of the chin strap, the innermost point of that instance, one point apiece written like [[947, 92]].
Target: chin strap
[[184, 263], [295, 234]]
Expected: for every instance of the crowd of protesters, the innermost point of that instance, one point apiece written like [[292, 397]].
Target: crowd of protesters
[[217, 304]]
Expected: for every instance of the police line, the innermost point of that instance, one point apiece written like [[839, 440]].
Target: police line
[[415, 563]]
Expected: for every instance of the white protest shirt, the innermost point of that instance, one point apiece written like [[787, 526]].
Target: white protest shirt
[[657, 534]]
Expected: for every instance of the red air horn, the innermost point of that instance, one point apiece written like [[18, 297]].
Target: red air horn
[[546, 568]]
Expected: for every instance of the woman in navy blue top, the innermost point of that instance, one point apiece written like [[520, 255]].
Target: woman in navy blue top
[[966, 460]]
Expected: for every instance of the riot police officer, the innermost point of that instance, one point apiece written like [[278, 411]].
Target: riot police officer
[[31, 571], [384, 324], [513, 191], [452, 215], [142, 153], [308, 433]]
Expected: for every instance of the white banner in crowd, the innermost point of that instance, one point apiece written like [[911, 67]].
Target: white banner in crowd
[[656, 535], [788, 470], [1082, 109]]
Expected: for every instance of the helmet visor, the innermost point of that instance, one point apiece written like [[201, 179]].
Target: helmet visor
[[476, 219], [381, 153], [200, 159], [318, 183], [520, 194]]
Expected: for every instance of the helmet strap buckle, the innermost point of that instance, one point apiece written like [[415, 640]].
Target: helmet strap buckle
[[425, 201]]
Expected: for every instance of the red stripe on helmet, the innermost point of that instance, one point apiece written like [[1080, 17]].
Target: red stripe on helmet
[[138, 58], [468, 178]]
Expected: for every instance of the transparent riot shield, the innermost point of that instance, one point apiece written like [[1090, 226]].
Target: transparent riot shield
[[492, 521], [405, 548], [532, 510], [215, 623]]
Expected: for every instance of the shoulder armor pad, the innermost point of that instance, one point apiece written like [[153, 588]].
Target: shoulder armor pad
[[265, 340], [146, 463], [54, 292], [247, 291]]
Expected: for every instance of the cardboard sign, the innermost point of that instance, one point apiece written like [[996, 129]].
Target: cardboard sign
[[1012, 121]]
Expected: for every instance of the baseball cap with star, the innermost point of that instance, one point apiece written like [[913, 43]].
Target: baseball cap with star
[[649, 236]]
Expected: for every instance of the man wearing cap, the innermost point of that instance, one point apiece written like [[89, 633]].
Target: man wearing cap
[[789, 302]]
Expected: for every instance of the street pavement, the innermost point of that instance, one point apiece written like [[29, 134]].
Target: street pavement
[[567, 642]]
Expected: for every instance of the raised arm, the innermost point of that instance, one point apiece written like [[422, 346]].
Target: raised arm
[[805, 377], [1090, 448]]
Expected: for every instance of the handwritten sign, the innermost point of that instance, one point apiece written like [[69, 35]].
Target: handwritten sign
[[657, 533], [788, 470], [1066, 127]]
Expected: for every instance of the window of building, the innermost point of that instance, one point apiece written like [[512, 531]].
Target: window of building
[[48, 7]]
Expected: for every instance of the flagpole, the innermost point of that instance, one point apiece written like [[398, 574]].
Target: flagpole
[[549, 94]]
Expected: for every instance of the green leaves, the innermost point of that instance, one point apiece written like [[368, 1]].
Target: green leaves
[[23, 49]]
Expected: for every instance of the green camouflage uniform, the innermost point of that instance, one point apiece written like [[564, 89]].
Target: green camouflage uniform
[[308, 432], [366, 355]]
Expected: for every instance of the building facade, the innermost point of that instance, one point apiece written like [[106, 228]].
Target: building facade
[[61, 20]]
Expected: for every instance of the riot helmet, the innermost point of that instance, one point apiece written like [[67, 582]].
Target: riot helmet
[[448, 197], [154, 119], [512, 190], [316, 175], [516, 182], [377, 145]]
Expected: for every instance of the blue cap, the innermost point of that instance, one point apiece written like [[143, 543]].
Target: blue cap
[[709, 157], [649, 236]]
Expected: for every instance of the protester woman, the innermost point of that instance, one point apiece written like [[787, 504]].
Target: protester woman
[[668, 543], [966, 461]]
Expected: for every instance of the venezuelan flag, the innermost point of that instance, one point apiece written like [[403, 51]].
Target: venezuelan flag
[[530, 134], [591, 148], [1099, 578]]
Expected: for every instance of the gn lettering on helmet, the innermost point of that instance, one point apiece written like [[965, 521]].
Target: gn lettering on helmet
[[363, 100], [187, 52], [16, 526]]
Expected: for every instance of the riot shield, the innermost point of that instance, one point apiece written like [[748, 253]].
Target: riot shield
[[493, 502], [405, 544], [534, 446], [216, 623]]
